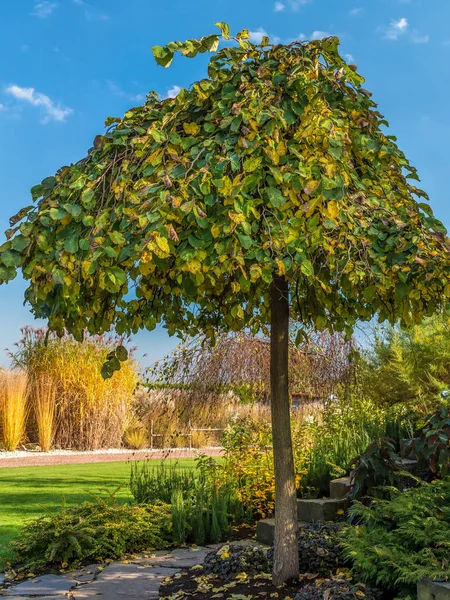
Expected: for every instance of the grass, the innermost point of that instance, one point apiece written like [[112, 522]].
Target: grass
[[28, 492]]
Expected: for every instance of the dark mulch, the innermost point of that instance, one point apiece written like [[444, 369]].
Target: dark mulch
[[196, 585]]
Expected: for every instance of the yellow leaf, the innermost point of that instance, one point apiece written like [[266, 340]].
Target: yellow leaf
[[332, 210], [191, 128], [163, 244]]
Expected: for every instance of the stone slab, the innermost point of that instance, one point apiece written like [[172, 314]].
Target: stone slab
[[327, 509], [182, 558], [340, 488], [433, 590], [124, 581], [46, 585]]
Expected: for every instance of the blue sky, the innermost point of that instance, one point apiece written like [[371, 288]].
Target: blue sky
[[68, 64]]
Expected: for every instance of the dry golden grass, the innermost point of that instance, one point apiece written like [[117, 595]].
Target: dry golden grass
[[44, 409], [90, 412], [13, 408], [136, 437]]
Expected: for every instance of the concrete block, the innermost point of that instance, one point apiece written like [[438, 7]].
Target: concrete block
[[433, 590], [340, 488], [328, 509], [265, 531]]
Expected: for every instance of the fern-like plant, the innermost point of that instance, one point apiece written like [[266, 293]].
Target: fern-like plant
[[402, 540]]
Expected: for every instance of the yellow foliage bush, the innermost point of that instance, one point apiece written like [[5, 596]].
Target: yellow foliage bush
[[249, 462]]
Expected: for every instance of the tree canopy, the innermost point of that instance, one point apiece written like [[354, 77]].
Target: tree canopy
[[181, 213]]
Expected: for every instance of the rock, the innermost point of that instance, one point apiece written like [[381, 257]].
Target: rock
[[340, 488], [321, 509], [433, 590], [46, 585], [409, 465]]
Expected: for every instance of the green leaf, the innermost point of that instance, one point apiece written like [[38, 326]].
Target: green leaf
[[276, 198], [401, 290], [71, 244], [57, 214], [245, 240], [117, 238], [122, 353], [163, 55], [224, 28], [306, 268], [73, 209], [19, 243], [10, 258]]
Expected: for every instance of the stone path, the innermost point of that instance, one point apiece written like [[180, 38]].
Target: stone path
[[136, 579]]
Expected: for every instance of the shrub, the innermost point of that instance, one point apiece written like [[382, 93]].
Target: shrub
[[347, 426], [248, 463], [410, 367], [91, 412], [13, 408], [319, 549], [431, 444], [336, 588], [377, 467], [202, 507], [404, 539], [230, 560], [97, 529]]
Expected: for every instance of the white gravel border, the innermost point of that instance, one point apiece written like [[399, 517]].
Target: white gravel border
[[27, 453]]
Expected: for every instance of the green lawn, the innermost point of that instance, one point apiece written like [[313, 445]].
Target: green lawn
[[27, 492]]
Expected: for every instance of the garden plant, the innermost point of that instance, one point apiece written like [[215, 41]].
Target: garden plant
[[269, 190]]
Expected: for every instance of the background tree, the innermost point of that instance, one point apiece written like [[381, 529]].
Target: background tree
[[240, 362], [270, 185]]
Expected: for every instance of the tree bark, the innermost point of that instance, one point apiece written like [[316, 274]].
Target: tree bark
[[286, 564]]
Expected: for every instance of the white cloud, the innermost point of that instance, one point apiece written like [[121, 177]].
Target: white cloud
[[416, 38], [295, 5], [349, 58], [91, 13], [279, 7], [395, 29], [52, 111], [118, 91], [257, 36], [174, 91], [400, 28], [356, 11], [318, 35], [2, 106], [43, 9]]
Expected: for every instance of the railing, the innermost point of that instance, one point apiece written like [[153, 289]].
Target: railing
[[189, 435]]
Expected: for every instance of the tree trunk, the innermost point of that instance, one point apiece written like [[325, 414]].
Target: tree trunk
[[286, 565]]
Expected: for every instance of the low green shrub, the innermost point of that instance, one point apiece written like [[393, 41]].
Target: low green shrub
[[230, 560], [150, 483], [97, 529], [403, 539], [336, 588], [318, 549], [202, 507]]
